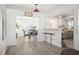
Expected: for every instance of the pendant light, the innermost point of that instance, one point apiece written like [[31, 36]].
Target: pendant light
[[36, 10]]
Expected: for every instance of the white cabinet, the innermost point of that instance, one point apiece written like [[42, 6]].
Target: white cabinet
[[48, 38]]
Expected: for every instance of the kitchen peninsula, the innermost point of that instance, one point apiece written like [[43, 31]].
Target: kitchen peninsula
[[52, 36]]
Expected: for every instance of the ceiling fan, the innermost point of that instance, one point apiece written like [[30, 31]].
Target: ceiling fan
[[36, 10]]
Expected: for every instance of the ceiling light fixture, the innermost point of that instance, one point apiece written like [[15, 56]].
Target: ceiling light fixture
[[36, 10]]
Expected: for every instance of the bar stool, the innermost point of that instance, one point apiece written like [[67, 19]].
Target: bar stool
[[46, 37], [51, 36]]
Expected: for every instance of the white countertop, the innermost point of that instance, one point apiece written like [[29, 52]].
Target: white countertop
[[51, 29]]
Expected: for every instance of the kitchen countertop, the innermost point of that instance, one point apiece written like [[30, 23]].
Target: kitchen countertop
[[51, 29], [49, 33]]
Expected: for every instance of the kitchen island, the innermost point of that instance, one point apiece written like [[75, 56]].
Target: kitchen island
[[52, 36]]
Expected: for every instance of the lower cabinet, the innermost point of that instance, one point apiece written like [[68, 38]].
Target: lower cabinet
[[49, 39]]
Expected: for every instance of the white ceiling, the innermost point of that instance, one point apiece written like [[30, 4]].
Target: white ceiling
[[44, 8], [48, 9], [67, 9]]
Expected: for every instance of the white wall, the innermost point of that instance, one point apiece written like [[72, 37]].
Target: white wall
[[11, 25], [51, 23], [3, 45], [0, 29], [54, 22], [76, 29], [42, 20], [41, 24]]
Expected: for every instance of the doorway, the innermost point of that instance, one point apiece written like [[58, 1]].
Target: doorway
[[27, 28], [68, 30]]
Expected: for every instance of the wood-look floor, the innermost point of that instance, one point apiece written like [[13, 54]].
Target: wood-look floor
[[69, 43], [32, 47]]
